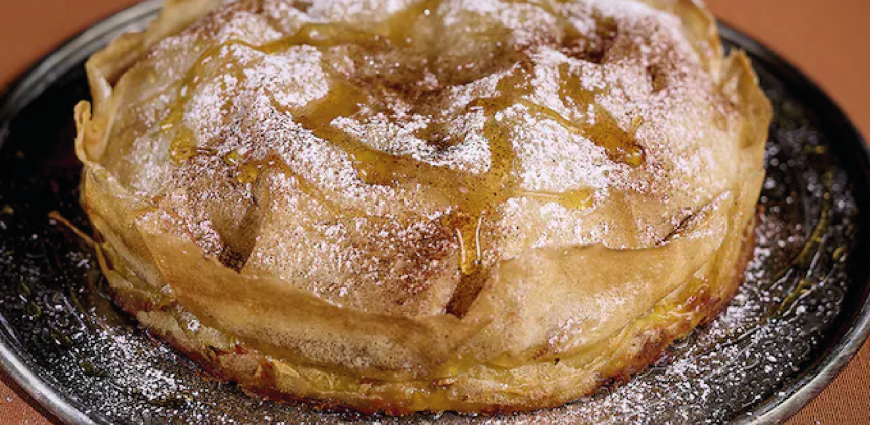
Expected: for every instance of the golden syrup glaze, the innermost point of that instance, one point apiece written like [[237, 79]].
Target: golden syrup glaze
[[513, 132], [476, 198]]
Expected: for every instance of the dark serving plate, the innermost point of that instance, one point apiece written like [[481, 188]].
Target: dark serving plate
[[799, 318]]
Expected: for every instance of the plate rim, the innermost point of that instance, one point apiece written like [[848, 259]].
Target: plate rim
[[33, 82], [30, 85], [825, 370]]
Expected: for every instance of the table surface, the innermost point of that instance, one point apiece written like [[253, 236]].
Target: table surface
[[823, 38]]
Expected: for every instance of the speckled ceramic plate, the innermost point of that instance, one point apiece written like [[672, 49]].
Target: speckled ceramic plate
[[800, 316]]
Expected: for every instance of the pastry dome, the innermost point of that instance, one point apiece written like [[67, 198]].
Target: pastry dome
[[399, 205]]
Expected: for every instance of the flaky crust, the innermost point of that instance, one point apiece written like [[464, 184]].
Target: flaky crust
[[616, 361], [385, 210]]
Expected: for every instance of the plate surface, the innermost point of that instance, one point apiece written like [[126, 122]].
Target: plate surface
[[801, 315]]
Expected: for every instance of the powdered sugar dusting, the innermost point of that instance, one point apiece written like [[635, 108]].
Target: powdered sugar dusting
[[72, 338], [380, 108]]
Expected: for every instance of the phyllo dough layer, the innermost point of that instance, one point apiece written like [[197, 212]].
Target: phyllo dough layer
[[398, 206]]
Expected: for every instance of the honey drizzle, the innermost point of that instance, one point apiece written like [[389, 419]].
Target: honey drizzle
[[620, 145], [475, 196], [183, 145], [479, 195], [495, 187], [374, 166], [579, 199], [250, 170]]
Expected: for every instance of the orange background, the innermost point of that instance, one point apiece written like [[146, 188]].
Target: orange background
[[826, 39]]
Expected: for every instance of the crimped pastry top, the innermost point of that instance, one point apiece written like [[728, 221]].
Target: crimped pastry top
[[402, 158]]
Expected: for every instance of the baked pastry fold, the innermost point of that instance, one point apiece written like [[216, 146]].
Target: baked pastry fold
[[478, 206]]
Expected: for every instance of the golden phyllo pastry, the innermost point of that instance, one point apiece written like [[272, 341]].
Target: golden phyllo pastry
[[406, 205]]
